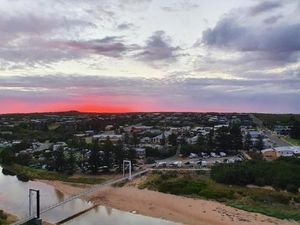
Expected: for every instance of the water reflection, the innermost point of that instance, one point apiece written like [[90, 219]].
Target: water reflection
[[109, 216], [14, 199]]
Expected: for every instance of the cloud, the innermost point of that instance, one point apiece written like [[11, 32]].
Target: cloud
[[125, 26], [181, 5], [264, 39], [272, 19], [26, 24], [158, 47], [140, 94], [263, 7], [47, 51]]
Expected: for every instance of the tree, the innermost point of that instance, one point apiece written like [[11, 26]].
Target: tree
[[71, 161], [7, 156], [248, 142], [172, 139], [119, 155], [295, 130], [210, 141], [132, 157], [259, 145], [236, 136], [163, 139], [24, 159], [94, 158], [223, 139], [201, 143], [107, 158], [59, 160]]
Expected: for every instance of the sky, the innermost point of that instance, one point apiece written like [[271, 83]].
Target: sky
[[150, 55]]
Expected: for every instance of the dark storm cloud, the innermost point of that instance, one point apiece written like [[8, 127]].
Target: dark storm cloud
[[264, 6]]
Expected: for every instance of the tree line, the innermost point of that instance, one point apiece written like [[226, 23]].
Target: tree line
[[281, 174]]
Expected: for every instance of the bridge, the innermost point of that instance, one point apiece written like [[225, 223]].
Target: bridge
[[80, 194]]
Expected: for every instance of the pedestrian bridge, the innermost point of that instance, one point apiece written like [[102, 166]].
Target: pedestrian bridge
[[83, 193]]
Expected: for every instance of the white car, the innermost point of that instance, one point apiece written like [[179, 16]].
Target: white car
[[222, 154]]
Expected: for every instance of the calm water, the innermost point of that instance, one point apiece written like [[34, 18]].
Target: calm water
[[14, 199]]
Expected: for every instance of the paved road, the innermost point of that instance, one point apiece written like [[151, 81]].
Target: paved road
[[272, 136], [278, 142]]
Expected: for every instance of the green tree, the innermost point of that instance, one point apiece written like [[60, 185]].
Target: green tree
[[24, 159], [71, 161], [119, 155], [295, 130], [259, 145], [172, 139], [132, 156], [201, 143], [163, 139], [7, 156], [59, 160], [107, 158], [94, 158], [236, 136], [223, 139], [248, 142], [210, 141]]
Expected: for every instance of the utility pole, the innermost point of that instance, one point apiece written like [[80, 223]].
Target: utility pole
[[128, 162]]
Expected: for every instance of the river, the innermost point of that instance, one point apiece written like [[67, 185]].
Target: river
[[14, 200]]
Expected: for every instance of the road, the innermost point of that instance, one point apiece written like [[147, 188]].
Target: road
[[272, 136], [278, 142]]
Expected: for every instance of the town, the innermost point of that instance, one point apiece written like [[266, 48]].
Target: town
[[75, 142], [243, 160]]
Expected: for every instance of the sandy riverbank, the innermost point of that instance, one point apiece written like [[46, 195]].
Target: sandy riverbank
[[66, 188], [171, 207]]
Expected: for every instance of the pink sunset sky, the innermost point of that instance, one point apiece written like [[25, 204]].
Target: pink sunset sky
[[150, 55]]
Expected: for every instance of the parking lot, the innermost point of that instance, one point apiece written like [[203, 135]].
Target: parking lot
[[195, 161]]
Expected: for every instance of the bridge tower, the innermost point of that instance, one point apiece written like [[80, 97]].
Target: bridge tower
[[127, 162], [36, 218]]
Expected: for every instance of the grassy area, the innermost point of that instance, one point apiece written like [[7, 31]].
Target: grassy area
[[292, 140], [3, 218], [272, 203], [48, 175], [53, 126]]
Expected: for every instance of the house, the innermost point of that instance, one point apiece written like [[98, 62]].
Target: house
[[140, 152], [269, 154], [114, 138], [145, 140], [162, 137]]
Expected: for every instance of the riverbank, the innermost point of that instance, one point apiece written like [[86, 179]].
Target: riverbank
[[7, 218], [171, 207], [31, 173], [180, 209]]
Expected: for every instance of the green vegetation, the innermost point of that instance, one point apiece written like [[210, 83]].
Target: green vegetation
[[3, 218], [271, 120], [281, 205], [292, 141], [48, 175], [281, 174]]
